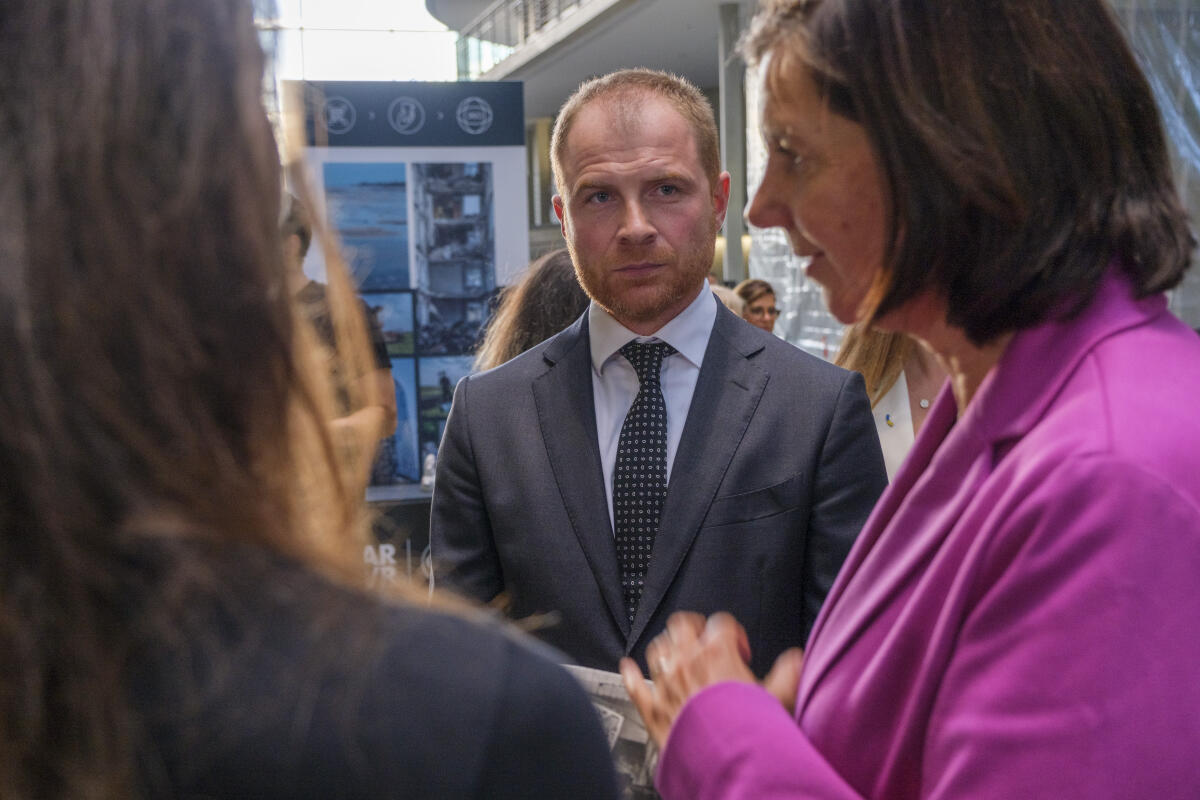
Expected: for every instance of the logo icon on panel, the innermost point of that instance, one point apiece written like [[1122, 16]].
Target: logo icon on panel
[[406, 116], [339, 115], [474, 115]]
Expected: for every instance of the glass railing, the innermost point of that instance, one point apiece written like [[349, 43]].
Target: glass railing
[[503, 28]]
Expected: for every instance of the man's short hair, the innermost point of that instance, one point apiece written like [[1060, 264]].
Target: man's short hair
[[626, 89], [296, 221]]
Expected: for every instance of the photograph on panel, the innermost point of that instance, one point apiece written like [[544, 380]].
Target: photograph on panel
[[454, 230], [396, 460], [366, 203], [395, 314], [438, 376]]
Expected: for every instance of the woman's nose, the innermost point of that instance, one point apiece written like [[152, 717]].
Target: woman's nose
[[763, 210]]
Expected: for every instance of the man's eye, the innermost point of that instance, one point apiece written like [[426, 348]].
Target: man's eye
[[598, 197], [668, 189]]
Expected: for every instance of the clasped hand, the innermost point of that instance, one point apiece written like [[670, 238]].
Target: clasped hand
[[693, 654]]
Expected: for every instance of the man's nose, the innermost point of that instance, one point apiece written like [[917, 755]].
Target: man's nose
[[636, 227]]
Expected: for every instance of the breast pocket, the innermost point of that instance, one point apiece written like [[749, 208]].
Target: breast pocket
[[757, 503]]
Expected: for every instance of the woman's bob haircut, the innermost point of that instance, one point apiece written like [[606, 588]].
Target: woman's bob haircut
[[1019, 140]]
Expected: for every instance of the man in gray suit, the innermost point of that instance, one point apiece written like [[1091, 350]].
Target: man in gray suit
[[561, 492]]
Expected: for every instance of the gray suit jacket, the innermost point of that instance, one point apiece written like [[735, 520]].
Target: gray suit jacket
[[777, 469]]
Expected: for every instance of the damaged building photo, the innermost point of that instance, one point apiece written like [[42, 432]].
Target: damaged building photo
[[454, 253]]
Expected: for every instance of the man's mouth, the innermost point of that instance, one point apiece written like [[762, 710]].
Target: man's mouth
[[639, 268]]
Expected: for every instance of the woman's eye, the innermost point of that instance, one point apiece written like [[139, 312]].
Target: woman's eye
[[790, 157], [784, 151]]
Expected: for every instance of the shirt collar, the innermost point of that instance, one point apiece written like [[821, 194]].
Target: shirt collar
[[688, 332]]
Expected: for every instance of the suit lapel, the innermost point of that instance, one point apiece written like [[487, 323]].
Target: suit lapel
[[728, 390], [567, 417]]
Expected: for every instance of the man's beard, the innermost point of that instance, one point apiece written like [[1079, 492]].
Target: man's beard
[[687, 269]]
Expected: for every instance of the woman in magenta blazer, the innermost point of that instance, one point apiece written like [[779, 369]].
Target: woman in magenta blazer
[[1020, 615]]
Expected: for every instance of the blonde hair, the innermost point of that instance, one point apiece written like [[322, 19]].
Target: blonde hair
[[730, 298], [878, 356]]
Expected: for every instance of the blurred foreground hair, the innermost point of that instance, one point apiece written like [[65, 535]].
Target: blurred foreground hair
[[159, 398]]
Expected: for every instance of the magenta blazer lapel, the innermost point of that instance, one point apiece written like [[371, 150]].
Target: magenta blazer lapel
[[949, 462]]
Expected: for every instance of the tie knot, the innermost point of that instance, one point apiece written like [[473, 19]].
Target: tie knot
[[647, 358]]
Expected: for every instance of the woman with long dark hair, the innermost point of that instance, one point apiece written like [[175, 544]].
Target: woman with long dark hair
[[179, 554]]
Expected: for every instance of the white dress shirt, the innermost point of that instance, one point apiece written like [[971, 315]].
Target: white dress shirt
[[615, 383]]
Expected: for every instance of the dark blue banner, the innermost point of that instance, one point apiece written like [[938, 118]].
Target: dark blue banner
[[413, 114]]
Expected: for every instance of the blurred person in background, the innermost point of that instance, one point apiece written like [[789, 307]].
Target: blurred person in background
[[729, 298], [1018, 617], [545, 300], [179, 554], [902, 379], [759, 298]]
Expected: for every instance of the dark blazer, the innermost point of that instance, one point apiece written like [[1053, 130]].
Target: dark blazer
[[777, 469], [283, 685]]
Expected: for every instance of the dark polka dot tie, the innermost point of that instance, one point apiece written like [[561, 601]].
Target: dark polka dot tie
[[640, 474]]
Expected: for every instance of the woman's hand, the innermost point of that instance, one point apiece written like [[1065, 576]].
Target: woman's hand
[[692, 655]]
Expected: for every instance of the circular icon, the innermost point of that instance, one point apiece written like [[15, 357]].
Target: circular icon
[[474, 115], [406, 116], [339, 115]]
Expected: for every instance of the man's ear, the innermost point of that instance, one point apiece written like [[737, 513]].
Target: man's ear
[[721, 198], [557, 202]]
